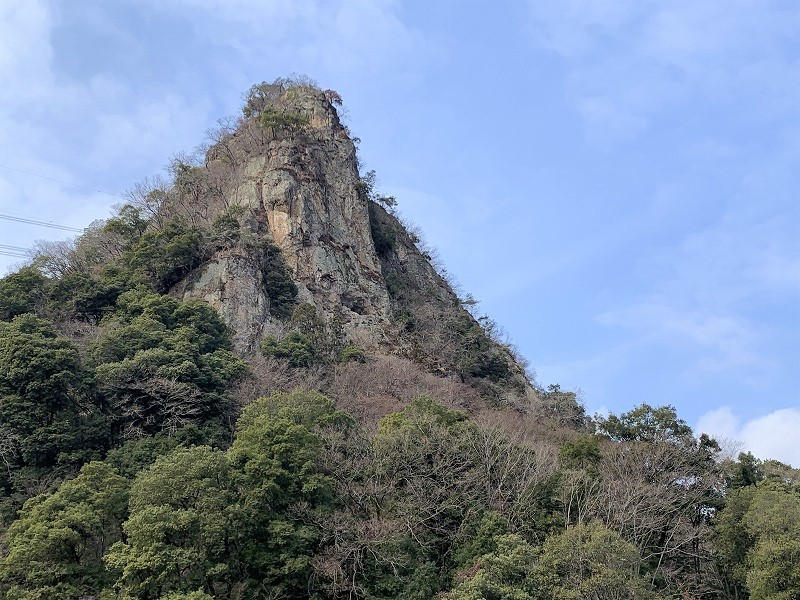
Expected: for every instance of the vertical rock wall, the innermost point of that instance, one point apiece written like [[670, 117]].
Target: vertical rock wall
[[301, 191]]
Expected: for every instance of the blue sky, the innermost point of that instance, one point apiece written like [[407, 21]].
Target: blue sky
[[616, 180]]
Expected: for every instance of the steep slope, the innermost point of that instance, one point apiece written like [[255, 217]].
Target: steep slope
[[433, 326], [298, 188], [288, 173]]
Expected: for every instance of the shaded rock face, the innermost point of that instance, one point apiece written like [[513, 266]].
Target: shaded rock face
[[301, 190], [289, 174], [436, 331], [404, 261], [232, 283]]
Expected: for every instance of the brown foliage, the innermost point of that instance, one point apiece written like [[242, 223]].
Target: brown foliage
[[388, 383], [270, 375], [655, 495]]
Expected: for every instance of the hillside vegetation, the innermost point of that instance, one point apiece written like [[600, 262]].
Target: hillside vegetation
[[145, 455]]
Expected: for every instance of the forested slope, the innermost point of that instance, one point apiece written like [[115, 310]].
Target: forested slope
[[251, 383]]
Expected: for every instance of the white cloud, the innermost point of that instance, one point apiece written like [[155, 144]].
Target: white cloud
[[716, 341], [773, 435], [98, 131], [106, 123], [631, 60], [354, 37], [720, 421], [24, 51], [147, 123]]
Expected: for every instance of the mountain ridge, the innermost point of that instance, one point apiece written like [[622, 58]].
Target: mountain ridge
[[294, 180]]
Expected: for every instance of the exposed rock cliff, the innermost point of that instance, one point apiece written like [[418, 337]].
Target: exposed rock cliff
[[301, 189], [288, 172]]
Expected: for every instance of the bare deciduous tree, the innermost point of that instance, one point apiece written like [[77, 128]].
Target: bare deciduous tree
[[656, 495]]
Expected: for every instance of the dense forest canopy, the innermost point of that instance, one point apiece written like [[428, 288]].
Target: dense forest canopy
[[142, 457]]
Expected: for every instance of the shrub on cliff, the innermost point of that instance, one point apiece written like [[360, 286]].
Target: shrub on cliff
[[282, 120], [295, 348], [277, 282]]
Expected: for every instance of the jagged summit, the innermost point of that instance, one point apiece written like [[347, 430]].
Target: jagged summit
[[288, 174], [296, 183]]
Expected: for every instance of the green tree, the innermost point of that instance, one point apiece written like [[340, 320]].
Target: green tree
[[282, 120], [782, 473], [167, 254], [562, 407], [296, 348], [758, 542], [55, 547], [372, 543], [134, 456], [177, 535], [260, 95], [425, 457], [40, 374], [276, 455], [427, 450], [658, 487], [647, 424], [163, 364], [277, 281], [128, 224], [773, 562], [733, 541], [197, 595], [20, 292], [590, 561], [581, 453], [85, 297], [49, 422], [352, 353], [504, 574], [477, 355], [383, 236]]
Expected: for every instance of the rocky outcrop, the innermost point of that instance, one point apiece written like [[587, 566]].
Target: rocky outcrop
[[288, 172], [301, 190], [232, 282]]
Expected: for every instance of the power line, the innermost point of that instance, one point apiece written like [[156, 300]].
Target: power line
[[14, 254], [13, 248], [83, 187], [8, 217]]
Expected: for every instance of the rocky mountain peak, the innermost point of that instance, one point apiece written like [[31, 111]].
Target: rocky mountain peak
[[287, 172], [293, 176]]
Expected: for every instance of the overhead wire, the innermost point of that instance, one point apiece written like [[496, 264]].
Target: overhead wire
[[14, 248], [19, 251], [14, 254], [52, 225], [83, 187]]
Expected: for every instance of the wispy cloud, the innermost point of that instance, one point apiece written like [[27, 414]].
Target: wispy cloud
[[773, 435], [352, 37], [707, 272], [713, 294], [98, 131], [106, 112], [629, 61], [715, 342]]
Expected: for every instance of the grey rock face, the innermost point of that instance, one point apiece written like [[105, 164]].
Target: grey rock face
[[301, 190], [290, 175], [233, 284]]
